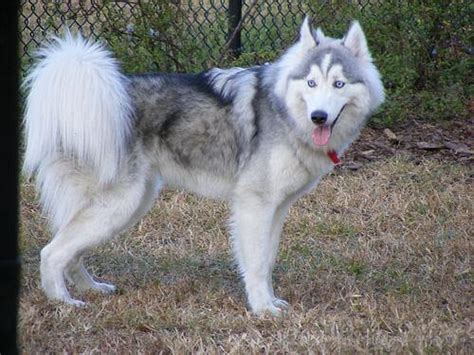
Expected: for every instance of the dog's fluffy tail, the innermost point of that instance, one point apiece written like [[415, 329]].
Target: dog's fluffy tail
[[77, 108]]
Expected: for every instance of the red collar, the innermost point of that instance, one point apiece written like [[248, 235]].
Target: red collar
[[332, 154]]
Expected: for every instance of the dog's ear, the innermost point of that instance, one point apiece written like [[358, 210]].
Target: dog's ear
[[356, 42], [306, 40], [318, 35]]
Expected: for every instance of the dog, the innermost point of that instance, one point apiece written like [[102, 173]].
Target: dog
[[101, 144]]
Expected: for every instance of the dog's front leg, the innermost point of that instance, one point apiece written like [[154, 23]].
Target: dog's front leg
[[253, 245]]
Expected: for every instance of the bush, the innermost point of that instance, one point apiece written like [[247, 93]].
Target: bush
[[422, 50], [421, 47]]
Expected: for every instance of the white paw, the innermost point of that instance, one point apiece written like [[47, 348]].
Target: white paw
[[104, 287], [269, 309], [69, 301], [75, 303], [282, 304], [275, 307]]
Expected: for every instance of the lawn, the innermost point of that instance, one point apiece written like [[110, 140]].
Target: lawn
[[374, 260]]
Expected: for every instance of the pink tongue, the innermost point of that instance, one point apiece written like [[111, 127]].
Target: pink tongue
[[321, 135]]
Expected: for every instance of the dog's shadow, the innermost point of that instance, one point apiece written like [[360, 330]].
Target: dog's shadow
[[200, 272]]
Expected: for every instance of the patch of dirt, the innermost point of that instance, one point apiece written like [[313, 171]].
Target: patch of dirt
[[445, 141]]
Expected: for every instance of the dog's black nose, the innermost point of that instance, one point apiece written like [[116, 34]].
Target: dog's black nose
[[319, 117]]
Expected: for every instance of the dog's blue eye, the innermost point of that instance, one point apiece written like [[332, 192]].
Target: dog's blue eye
[[339, 84], [311, 83]]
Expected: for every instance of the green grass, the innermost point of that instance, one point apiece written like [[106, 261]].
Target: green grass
[[364, 268]]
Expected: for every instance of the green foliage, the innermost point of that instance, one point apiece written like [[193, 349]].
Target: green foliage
[[150, 38], [422, 48]]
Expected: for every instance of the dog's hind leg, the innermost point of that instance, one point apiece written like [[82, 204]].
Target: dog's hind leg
[[110, 213], [77, 274]]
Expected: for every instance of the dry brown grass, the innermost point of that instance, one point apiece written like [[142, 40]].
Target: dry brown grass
[[376, 260]]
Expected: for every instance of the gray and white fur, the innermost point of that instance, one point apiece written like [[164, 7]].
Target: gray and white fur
[[101, 145]]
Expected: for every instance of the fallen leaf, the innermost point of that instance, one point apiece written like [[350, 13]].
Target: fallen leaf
[[429, 146], [390, 135], [352, 165], [367, 152], [458, 148]]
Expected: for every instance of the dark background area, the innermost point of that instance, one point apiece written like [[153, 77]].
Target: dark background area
[[9, 263]]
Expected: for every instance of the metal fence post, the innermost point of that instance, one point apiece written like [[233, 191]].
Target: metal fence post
[[235, 14]]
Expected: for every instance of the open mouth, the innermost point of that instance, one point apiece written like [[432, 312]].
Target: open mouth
[[322, 132]]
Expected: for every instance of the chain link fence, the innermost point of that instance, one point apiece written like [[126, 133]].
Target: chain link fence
[[182, 35], [422, 48]]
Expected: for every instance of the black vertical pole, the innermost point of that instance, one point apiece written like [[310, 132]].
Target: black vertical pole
[[9, 264], [235, 14]]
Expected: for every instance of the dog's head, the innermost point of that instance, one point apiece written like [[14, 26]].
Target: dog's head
[[328, 86]]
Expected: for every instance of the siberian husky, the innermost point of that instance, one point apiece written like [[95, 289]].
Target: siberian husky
[[101, 144]]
